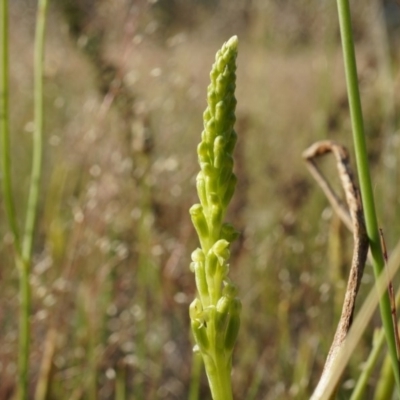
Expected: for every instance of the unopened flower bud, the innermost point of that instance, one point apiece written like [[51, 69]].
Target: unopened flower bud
[[221, 250], [202, 153], [232, 329], [222, 313], [230, 145], [200, 335], [198, 255], [199, 221], [201, 188], [229, 190], [216, 215], [211, 263]]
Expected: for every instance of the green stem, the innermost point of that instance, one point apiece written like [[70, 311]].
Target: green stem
[[22, 256], [4, 126], [385, 384], [197, 364], [33, 196], [364, 174], [217, 368], [218, 377], [24, 329], [24, 288], [361, 387]]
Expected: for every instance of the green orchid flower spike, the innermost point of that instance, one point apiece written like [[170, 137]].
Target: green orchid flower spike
[[215, 313]]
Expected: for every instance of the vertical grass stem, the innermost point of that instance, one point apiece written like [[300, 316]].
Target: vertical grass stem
[[364, 173], [4, 126], [38, 132], [26, 251]]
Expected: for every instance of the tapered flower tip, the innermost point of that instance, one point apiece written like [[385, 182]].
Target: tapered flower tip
[[233, 42]]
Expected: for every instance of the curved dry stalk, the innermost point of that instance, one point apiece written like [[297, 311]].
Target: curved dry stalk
[[353, 217]]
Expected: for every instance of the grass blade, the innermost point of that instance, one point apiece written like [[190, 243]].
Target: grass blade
[[364, 173], [24, 261], [5, 126]]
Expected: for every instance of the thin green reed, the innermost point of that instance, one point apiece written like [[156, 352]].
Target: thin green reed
[[215, 313], [364, 173], [23, 251], [5, 126], [38, 132]]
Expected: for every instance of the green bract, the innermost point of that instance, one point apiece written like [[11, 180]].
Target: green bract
[[215, 314]]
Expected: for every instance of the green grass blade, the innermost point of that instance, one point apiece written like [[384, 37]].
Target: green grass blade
[[364, 173], [362, 382], [4, 126], [26, 251], [38, 132]]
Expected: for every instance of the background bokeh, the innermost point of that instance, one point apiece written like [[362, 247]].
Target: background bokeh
[[125, 89]]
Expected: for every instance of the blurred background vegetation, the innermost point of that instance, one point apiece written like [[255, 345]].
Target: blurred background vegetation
[[125, 89]]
